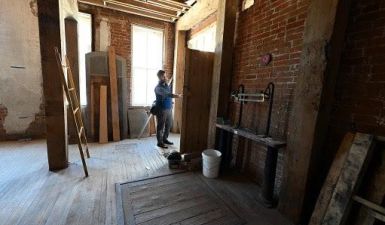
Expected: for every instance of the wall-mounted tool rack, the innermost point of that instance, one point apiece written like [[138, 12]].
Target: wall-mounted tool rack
[[259, 97]]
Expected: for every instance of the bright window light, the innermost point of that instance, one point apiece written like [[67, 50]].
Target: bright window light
[[84, 40], [147, 59], [204, 40]]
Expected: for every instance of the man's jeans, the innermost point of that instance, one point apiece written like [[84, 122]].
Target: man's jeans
[[164, 120]]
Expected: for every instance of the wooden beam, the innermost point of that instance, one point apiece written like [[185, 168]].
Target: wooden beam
[[226, 17], [141, 8], [179, 67], [114, 94], [103, 128], [175, 3], [201, 10], [100, 3], [350, 178], [49, 30], [323, 41], [331, 180], [150, 5]]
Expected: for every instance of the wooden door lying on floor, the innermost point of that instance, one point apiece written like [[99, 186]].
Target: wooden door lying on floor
[[174, 199], [196, 101]]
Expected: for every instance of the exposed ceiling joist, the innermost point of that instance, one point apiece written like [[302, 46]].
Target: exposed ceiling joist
[[139, 8], [165, 10], [100, 3]]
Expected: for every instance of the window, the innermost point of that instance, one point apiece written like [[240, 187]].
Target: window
[[84, 40], [204, 40], [147, 59]]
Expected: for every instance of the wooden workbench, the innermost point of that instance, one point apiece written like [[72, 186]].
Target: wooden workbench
[[224, 144]]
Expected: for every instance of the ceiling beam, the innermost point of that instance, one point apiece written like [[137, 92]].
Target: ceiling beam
[[148, 4], [201, 10], [100, 3], [175, 3], [139, 8]]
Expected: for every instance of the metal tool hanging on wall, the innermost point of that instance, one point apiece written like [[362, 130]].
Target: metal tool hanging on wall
[[259, 97]]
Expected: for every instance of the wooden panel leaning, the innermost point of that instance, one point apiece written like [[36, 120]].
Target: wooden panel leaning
[[73, 100], [343, 179], [114, 94]]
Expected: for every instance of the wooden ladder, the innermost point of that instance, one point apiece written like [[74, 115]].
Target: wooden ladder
[[73, 100]]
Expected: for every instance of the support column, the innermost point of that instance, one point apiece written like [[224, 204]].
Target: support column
[[308, 123], [49, 30], [223, 64], [179, 66]]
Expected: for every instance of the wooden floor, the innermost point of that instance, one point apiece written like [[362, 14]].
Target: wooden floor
[[30, 194]]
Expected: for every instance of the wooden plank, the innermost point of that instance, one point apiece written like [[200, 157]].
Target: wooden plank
[[223, 62], [92, 110], [351, 172], [312, 105], [103, 128], [260, 139], [331, 180], [201, 10], [162, 200], [113, 94], [180, 215]]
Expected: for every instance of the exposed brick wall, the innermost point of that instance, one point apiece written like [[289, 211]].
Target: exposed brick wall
[[120, 31], [268, 27], [360, 92]]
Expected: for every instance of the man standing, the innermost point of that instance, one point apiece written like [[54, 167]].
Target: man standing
[[164, 104]]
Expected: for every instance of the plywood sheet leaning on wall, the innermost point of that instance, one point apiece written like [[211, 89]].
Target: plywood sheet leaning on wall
[[343, 181], [103, 129]]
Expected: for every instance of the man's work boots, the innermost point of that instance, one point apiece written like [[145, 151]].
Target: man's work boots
[[161, 145], [167, 142]]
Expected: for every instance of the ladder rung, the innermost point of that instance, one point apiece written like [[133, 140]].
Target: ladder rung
[[71, 89], [80, 132], [76, 110]]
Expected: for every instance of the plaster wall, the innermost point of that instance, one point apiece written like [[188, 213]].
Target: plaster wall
[[20, 68]]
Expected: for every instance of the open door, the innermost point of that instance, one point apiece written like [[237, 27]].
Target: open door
[[196, 101]]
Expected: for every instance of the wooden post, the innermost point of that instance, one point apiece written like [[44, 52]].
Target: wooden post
[[226, 17], [309, 119], [49, 31], [114, 94], [179, 67]]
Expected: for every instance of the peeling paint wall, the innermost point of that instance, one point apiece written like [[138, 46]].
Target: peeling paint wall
[[21, 91]]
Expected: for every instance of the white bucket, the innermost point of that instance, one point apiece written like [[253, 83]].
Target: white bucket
[[211, 162]]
